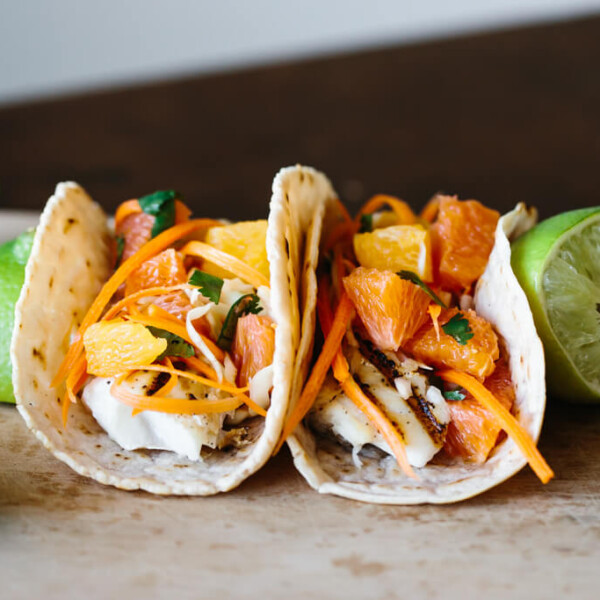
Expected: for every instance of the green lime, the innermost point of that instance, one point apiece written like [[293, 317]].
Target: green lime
[[13, 258], [558, 264]]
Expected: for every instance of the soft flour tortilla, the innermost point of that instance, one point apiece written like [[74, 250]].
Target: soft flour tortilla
[[329, 468], [69, 263]]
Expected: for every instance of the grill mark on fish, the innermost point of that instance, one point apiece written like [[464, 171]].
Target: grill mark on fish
[[380, 405], [157, 383], [423, 411], [421, 407], [385, 365]]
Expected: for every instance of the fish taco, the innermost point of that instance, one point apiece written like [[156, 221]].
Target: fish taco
[[429, 387], [159, 354]]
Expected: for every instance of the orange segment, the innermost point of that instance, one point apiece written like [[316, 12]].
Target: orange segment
[[164, 269], [113, 347], [253, 346], [246, 240], [463, 237], [391, 309], [473, 431], [476, 357], [396, 248]]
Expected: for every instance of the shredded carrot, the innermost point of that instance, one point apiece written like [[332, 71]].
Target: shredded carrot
[[504, 418], [182, 212], [403, 211], [341, 371], [343, 315], [148, 250], [226, 261], [157, 311], [196, 363], [173, 379], [339, 233], [177, 328], [199, 365], [153, 291], [430, 210], [73, 383], [434, 311], [179, 406], [391, 435], [232, 389], [343, 211], [130, 207]]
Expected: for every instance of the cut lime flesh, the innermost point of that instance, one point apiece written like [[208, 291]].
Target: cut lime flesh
[[558, 265], [571, 285]]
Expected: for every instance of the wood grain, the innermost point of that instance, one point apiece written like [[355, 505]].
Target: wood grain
[[501, 117], [62, 536]]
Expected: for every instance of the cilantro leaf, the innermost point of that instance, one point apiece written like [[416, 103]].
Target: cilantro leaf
[[366, 223], [176, 346], [161, 205], [454, 395], [120, 240], [209, 285], [249, 303], [414, 278], [458, 327]]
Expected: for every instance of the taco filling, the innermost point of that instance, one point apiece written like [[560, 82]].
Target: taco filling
[[176, 351], [417, 374]]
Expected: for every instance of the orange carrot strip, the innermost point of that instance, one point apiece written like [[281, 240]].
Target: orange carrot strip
[[153, 291], [75, 379], [173, 379], [157, 311], [504, 418], [179, 406], [148, 250], [178, 328], [390, 434], [199, 365], [341, 371], [338, 233], [130, 207], [232, 389], [343, 211], [430, 210], [343, 316], [196, 363], [182, 212], [226, 261], [434, 311], [403, 211]]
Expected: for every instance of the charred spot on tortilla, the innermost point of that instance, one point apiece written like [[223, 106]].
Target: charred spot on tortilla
[[68, 224]]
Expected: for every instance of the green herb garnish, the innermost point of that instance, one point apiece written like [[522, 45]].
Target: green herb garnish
[[458, 327], [454, 395], [176, 346], [209, 285], [247, 304], [414, 278], [366, 223], [120, 240], [161, 205]]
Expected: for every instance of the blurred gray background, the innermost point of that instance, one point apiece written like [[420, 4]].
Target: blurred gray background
[[55, 47]]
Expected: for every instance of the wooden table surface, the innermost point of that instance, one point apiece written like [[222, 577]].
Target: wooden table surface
[[501, 117]]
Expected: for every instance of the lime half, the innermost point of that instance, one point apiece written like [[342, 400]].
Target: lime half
[[558, 265], [13, 258]]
